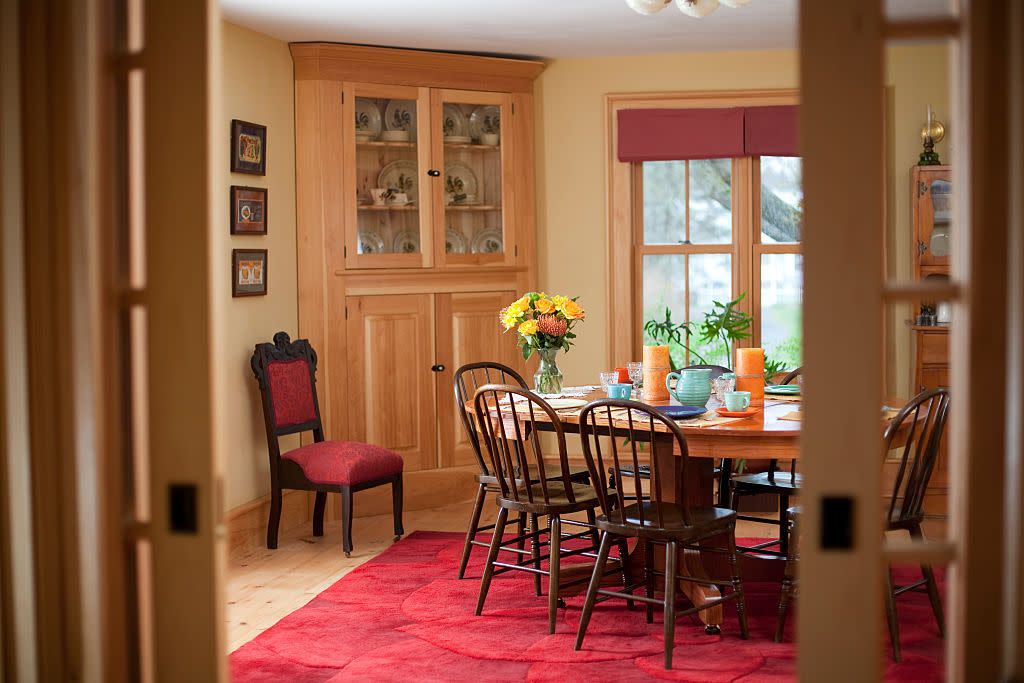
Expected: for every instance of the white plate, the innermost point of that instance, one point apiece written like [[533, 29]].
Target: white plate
[[563, 403], [401, 115], [367, 119], [406, 242], [459, 179], [482, 114], [458, 139], [454, 241], [370, 242], [402, 176], [488, 242], [454, 124]]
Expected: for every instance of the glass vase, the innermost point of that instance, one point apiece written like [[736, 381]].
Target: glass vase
[[548, 378]]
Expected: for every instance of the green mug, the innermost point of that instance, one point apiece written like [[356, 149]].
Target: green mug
[[736, 401]]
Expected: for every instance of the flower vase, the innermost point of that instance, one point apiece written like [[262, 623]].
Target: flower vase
[[548, 378]]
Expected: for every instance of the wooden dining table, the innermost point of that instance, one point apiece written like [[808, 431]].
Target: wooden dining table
[[770, 433]]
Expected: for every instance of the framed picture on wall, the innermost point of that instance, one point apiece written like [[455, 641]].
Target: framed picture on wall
[[248, 272], [248, 147], [248, 210]]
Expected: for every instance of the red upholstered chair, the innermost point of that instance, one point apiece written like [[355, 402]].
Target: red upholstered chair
[[286, 372]]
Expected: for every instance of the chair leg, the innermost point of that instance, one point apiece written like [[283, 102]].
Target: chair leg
[[627, 574], [891, 617], [274, 523], [535, 551], [649, 577], [555, 552], [592, 521], [474, 523], [319, 505], [783, 525], [671, 558], [346, 520], [521, 531], [492, 555], [737, 584], [595, 584], [780, 620], [932, 587], [724, 475], [397, 501]]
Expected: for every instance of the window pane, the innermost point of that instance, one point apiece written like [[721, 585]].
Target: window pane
[[664, 202], [710, 281], [782, 278], [664, 287], [782, 199], [711, 201]]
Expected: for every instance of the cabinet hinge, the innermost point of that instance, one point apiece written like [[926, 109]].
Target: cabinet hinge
[[922, 188]]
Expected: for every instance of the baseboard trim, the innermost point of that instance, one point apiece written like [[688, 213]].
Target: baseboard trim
[[247, 524]]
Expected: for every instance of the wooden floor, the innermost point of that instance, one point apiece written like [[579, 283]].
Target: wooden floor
[[266, 585]]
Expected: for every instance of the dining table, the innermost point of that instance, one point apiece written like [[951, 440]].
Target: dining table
[[771, 432]]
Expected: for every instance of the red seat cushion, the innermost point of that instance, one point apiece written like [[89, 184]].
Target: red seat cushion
[[345, 463], [291, 392]]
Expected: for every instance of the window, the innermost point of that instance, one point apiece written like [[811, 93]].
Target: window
[[709, 230]]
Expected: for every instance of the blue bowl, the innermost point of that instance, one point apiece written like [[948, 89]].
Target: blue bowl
[[682, 412]]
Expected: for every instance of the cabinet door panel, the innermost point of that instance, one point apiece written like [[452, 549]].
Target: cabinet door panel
[[391, 387], [467, 332]]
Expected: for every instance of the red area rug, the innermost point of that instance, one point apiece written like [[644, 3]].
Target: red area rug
[[403, 616]]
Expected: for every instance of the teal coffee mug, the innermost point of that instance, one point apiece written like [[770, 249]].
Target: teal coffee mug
[[616, 390], [736, 401]]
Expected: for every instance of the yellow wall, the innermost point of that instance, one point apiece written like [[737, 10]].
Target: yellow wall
[[570, 149], [258, 87]]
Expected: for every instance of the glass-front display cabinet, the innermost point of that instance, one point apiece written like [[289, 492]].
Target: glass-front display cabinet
[[933, 195], [428, 177]]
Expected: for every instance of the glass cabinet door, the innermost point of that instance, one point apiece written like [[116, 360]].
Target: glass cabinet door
[[471, 134], [934, 196], [386, 157]]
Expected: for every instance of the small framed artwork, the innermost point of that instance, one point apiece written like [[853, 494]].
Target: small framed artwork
[[248, 272], [248, 210], [248, 147]]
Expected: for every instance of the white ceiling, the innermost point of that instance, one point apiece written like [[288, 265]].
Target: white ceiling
[[538, 28]]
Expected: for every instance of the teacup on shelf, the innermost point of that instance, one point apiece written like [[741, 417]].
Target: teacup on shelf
[[395, 136], [378, 194]]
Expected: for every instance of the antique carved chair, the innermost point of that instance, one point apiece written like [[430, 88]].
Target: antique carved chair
[[652, 519], [286, 372], [467, 380]]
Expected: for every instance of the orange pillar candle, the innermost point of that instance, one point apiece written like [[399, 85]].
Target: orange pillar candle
[[750, 374], [656, 369]]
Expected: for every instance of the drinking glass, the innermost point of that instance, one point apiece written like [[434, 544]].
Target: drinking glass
[[608, 378], [635, 370]]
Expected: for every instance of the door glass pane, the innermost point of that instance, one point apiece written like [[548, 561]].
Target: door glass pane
[[782, 199], [664, 202], [711, 201], [710, 280], [941, 194], [387, 176], [781, 308], [664, 287], [472, 178]]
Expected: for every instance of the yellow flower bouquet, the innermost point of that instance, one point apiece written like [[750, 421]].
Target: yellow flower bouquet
[[543, 324]]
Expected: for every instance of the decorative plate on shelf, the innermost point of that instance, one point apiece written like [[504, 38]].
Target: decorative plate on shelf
[[400, 176], [407, 242], [454, 241], [458, 140], [368, 120], [454, 124], [484, 119], [370, 242], [488, 242], [460, 180], [401, 115]]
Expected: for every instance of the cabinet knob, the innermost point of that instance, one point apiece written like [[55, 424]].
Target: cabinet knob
[[437, 368], [433, 173]]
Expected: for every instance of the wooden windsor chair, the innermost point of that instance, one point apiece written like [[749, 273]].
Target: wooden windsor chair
[[653, 519], [518, 463]]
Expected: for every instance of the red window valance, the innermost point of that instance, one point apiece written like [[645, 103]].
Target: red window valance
[[666, 134]]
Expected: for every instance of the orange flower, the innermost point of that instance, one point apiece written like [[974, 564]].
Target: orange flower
[[573, 311], [528, 328], [544, 306], [552, 326]]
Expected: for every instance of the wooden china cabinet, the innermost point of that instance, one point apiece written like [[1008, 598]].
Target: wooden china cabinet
[[415, 221]]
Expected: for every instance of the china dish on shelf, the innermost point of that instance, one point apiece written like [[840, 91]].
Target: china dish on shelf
[[370, 242], [454, 124], [460, 183], [406, 242], [485, 120], [368, 121], [488, 242], [399, 118], [458, 140], [454, 241], [400, 177]]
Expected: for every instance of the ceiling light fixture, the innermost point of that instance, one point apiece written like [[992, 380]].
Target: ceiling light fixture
[[693, 8]]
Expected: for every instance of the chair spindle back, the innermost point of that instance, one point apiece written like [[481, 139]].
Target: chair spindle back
[[921, 422], [467, 380]]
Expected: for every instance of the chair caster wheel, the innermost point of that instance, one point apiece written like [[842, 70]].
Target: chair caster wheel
[[713, 630], [348, 554], [398, 537]]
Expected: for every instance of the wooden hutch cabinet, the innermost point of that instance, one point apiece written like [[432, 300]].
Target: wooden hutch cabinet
[[415, 221], [932, 193]]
